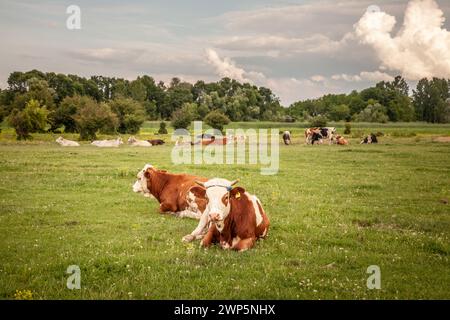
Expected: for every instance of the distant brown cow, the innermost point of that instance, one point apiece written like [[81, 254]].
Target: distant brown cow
[[156, 142], [341, 140], [211, 140]]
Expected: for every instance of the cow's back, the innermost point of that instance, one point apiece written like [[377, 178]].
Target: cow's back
[[177, 191]]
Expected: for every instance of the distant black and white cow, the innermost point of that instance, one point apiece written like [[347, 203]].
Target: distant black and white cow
[[328, 133], [313, 135], [287, 137], [371, 138]]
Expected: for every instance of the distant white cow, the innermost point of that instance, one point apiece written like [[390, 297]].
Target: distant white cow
[[107, 143], [138, 143], [67, 143]]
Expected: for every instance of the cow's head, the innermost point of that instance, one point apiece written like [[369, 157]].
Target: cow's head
[[141, 184], [131, 139], [218, 193]]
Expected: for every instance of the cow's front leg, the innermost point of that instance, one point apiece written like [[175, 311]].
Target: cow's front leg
[[200, 230], [244, 244], [189, 214], [211, 237]]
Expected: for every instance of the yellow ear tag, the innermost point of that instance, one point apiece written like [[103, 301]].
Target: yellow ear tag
[[238, 195]]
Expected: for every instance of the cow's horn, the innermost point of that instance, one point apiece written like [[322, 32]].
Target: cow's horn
[[234, 182], [200, 183]]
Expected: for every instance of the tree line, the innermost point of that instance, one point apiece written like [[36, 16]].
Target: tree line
[[386, 101], [71, 103], [35, 101]]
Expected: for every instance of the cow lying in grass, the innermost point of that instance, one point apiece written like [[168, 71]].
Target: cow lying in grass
[[341, 140], [237, 217], [138, 143], [156, 142], [107, 143], [67, 143], [171, 190], [371, 138]]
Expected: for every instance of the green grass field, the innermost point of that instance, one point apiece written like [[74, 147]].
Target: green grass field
[[334, 211]]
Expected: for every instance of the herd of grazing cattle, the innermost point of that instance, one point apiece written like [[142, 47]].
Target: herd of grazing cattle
[[228, 215], [318, 135]]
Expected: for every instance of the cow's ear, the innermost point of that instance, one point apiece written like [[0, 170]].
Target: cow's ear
[[237, 192], [198, 191]]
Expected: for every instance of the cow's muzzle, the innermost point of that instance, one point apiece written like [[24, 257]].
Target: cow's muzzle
[[215, 217], [137, 187]]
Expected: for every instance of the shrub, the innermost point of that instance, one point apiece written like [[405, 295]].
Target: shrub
[[94, 117], [181, 118], [130, 114], [65, 113], [217, 120], [373, 113], [318, 121], [31, 119], [348, 128], [162, 128], [288, 119]]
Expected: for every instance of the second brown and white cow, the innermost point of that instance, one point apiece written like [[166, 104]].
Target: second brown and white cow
[[236, 217], [171, 190]]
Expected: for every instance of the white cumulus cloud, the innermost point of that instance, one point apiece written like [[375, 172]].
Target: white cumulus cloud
[[420, 49], [225, 67]]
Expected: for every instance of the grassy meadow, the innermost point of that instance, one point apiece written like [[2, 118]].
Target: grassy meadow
[[334, 210]]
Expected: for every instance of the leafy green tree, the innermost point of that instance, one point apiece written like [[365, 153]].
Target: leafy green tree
[[217, 120], [340, 112], [62, 85], [64, 115], [36, 89], [176, 96], [180, 120], [29, 120], [94, 117], [130, 113], [430, 100], [138, 90], [318, 121], [151, 110], [374, 112]]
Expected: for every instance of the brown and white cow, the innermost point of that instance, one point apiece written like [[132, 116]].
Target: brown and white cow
[[236, 217], [340, 140], [171, 190]]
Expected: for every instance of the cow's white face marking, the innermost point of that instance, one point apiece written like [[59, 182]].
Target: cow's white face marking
[[140, 186], [216, 189]]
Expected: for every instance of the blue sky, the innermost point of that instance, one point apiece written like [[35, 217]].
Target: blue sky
[[300, 49]]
